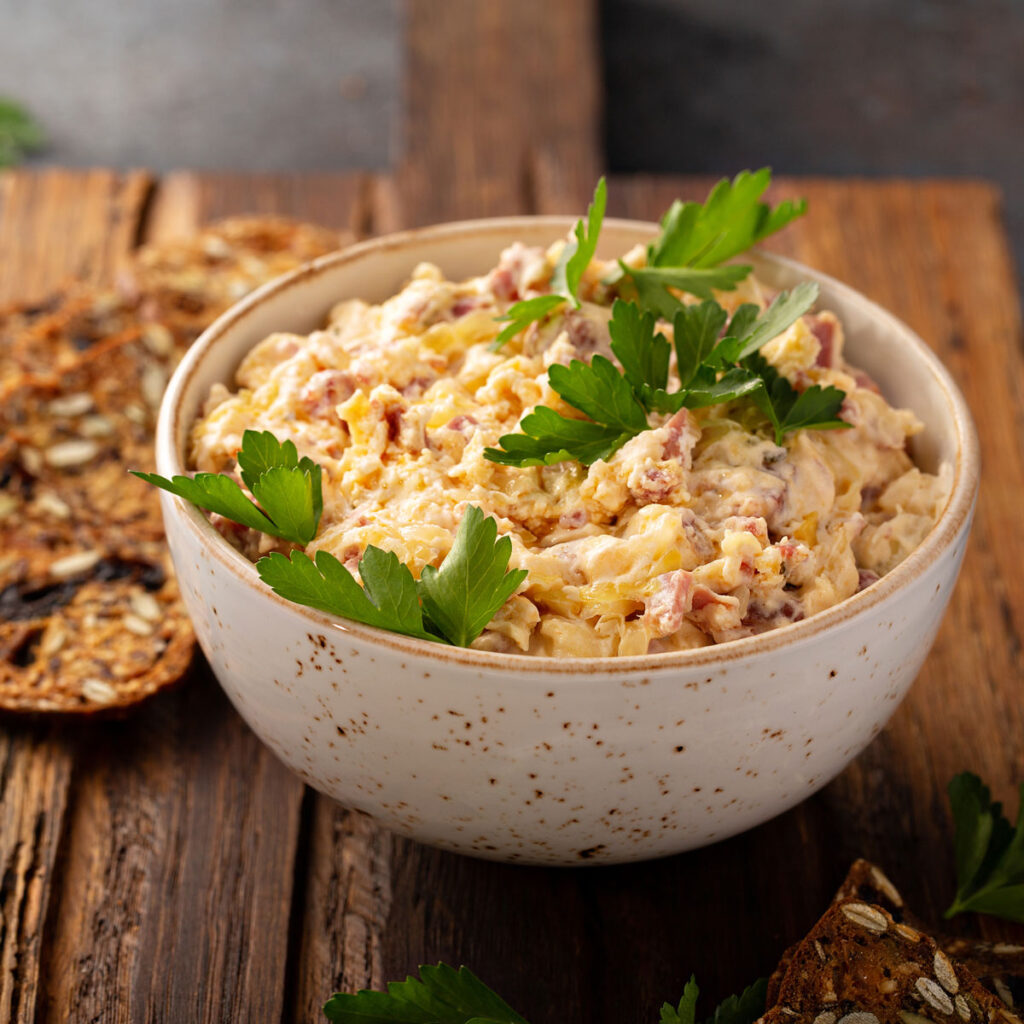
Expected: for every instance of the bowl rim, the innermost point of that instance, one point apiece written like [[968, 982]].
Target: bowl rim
[[954, 517]]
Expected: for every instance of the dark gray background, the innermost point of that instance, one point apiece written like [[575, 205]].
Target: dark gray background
[[863, 87]]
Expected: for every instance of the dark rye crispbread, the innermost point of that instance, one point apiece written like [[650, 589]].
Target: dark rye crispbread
[[77, 319], [90, 615], [999, 967], [858, 965], [99, 635]]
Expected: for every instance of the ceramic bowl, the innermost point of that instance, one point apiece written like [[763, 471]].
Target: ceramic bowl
[[570, 761]]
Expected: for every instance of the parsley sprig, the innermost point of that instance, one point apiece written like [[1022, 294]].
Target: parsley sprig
[[565, 281], [716, 357], [717, 361], [287, 489], [989, 852], [742, 1009], [444, 995], [451, 604], [441, 995], [697, 238], [20, 133]]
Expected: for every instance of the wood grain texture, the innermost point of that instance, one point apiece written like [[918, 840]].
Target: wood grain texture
[[35, 772], [184, 199], [57, 224], [489, 87], [343, 909]]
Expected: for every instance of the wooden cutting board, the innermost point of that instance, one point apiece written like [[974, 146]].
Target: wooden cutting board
[[167, 867]]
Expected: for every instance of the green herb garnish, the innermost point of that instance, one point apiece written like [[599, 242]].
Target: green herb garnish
[[716, 363], [697, 238], [473, 582], [287, 489], [441, 995], [713, 368], [742, 1009], [20, 134], [565, 281], [451, 604], [444, 995], [458, 599], [989, 852], [387, 599]]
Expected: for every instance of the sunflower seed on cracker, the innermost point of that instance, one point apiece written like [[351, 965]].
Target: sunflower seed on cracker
[[999, 967], [878, 972]]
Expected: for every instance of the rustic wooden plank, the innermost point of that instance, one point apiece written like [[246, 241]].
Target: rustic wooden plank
[[52, 224], [56, 224], [35, 772], [481, 106], [175, 898], [338, 201], [343, 907]]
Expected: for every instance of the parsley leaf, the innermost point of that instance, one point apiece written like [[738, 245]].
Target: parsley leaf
[[735, 383], [474, 580], [458, 600], [565, 280], [20, 134], [696, 330], [728, 222], [216, 493], [788, 409], [288, 489], [686, 1011], [548, 437], [617, 403], [444, 995], [784, 311], [576, 256], [441, 995], [652, 283], [387, 599], [742, 1009], [989, 852], [643, 354], [599, 391], [521, 314], [697, 238]]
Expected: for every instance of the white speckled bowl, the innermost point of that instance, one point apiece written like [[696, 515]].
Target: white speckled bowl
[[561, 761]]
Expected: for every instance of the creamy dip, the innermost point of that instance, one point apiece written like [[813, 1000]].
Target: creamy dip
[[697, 531]]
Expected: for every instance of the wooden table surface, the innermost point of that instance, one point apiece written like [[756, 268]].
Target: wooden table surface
[[167, 868]]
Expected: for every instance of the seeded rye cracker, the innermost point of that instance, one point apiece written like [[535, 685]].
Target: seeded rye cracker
[[90, 615], [858, 965], [75, 320], [998, 966], [187, 284]]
